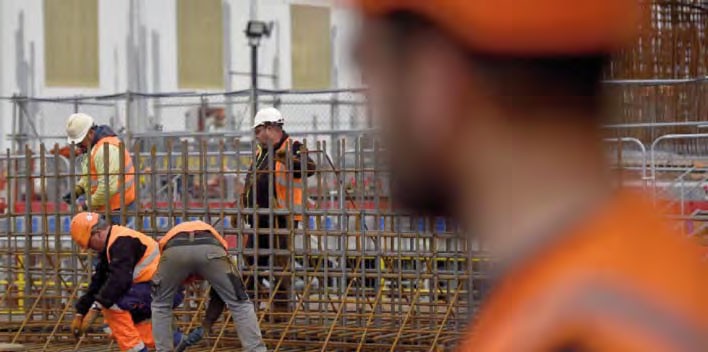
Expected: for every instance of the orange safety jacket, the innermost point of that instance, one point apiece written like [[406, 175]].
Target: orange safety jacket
[[285, 181], [619, 280], [129, 170], [191, 226], [147, 265]]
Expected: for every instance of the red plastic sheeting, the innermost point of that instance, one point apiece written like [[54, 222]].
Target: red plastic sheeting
[[51, 207]]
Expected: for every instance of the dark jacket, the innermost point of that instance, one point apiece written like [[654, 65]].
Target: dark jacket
[[262, 162], [101, 132], [110, 281]]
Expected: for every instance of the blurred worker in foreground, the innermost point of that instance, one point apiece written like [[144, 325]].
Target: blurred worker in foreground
[[191, 250], [492, 111], [90, 139], [120, 286], [287, 191]]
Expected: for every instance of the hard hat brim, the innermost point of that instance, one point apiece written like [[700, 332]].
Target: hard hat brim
[[278, 122]]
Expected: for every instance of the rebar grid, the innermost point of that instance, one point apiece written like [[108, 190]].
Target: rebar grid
[[672, 46], [364, 277]]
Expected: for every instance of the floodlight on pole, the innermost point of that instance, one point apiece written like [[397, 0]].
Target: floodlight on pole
[[255, 30]]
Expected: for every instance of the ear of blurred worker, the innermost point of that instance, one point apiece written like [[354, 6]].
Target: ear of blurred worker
[[421, 91]]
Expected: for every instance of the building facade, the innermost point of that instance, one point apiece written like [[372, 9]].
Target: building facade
[[55, 48]]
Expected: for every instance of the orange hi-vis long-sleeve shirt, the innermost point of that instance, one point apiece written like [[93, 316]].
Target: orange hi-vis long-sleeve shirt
[[619, 280]]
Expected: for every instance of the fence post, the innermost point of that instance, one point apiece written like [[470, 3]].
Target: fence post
[[334, 122], [128, 116], [29, 194], [15, 118], [203, 106]]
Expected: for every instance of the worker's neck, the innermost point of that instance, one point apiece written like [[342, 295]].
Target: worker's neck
[[546, 177]]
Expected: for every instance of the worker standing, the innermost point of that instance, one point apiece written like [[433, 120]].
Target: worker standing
[[91, 140], [516, 85], [120, 286], [195, 249], [287, 192]]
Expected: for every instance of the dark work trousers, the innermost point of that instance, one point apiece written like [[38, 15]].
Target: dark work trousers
[[280, 261]]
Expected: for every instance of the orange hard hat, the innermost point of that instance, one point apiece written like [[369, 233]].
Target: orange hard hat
[[526, 27], [81, 226]]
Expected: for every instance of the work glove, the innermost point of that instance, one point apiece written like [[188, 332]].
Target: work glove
[[78, 191], [76, 325], [81, 203], [191, 339], [67, 198], [82, 323], [90, 318]]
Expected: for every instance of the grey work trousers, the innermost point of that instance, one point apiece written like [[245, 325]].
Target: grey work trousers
[[212, 263]]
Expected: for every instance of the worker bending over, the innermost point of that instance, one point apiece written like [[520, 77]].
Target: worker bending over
[[120, 286], [286, 193], [90, 139], [196, 249], [516, 85]]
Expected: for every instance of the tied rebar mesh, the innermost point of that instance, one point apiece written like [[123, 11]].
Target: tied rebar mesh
[[365, 277], [669, 69], [360, 276]]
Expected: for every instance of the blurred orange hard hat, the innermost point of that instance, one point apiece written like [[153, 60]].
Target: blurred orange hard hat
[[81, 226], [526, 27]]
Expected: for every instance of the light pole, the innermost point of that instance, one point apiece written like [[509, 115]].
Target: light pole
[[255, 30]]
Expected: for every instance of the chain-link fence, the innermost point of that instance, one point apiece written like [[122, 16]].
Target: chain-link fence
[[152, 118]]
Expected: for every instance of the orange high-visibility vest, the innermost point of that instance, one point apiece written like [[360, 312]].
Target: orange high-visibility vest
[[129, 170], [285, 181], [191, 226], [619, 280], [147, 265]]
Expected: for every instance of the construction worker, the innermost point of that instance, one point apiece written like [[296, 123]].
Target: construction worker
[[287, 191], [120, 286], [492, 111], [195, 250], [90, 139]]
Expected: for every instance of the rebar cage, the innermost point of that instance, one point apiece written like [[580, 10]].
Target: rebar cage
[[363, 277]]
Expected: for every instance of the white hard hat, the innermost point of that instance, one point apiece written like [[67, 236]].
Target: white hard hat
[[268, 115], [77, 127]]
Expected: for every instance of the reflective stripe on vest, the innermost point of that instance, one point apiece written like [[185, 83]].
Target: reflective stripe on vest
[[191, 226], [128, 170], [147, 265], [146, 262]]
